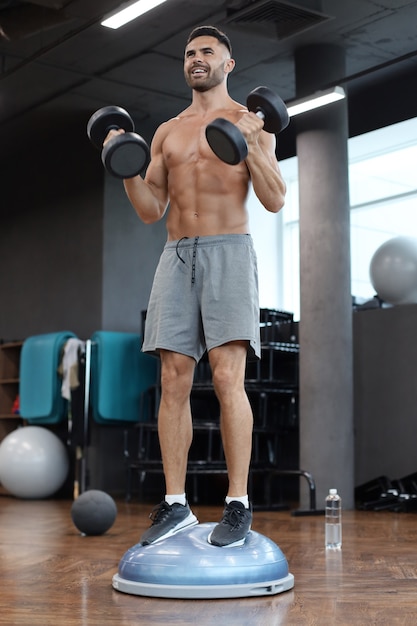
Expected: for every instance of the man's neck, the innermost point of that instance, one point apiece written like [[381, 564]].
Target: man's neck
[[211, 100]]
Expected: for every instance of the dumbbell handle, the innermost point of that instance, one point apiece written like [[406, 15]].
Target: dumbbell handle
[[113, 127], [259, 113]]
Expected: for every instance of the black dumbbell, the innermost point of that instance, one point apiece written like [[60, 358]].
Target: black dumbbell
[[227, 141], [124, 156]]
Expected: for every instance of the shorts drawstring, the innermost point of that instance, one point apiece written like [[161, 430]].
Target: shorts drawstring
[[194, 256], [176, 248]]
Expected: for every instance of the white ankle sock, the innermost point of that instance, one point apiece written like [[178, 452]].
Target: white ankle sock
[[179, 498], [243, 499]]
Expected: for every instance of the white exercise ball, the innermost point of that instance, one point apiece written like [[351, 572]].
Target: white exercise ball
[[33, 462], [393, 271]]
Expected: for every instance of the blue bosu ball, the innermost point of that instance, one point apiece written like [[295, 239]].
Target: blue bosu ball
[[187, 566]]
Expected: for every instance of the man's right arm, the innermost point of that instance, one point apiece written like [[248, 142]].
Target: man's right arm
[[149, 195]]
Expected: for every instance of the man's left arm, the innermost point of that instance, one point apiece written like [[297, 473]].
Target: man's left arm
[[266, 178]]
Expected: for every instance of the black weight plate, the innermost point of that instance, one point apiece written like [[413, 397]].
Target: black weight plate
[[272, 106], [106, 119], [226, 141], [125, 156]]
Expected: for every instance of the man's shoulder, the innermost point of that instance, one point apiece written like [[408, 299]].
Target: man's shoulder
[[164, 128], [185, 117], [172, 122]]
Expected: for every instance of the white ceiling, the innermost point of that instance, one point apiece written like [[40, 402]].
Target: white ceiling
[[56, 58]]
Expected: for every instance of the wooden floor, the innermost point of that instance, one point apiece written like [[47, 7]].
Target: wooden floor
[[50, 574]]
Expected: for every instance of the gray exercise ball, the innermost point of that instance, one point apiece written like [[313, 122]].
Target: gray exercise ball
[[33, 462], [393, 271]]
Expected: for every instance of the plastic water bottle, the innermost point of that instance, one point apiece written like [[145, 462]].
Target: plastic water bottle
[[333, 530]]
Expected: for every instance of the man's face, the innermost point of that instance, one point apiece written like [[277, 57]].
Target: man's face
[[206, 63]]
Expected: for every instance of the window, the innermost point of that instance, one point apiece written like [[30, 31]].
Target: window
[[383, 198]]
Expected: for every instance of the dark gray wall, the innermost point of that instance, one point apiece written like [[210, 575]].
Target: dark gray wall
[[385, 408], [51, 241], [73, 253], [131, 251]]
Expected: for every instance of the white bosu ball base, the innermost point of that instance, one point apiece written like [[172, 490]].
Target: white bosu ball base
[[187, 566]]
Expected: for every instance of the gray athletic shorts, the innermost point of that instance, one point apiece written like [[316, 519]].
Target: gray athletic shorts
[[204, 294]]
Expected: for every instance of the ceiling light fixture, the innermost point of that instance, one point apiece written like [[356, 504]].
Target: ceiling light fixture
[[130, 13], [318, 99]]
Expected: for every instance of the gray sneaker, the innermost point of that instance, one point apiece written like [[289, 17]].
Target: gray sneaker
[[168, 520], [234, 526]]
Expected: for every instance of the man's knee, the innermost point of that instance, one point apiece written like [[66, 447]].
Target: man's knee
[[228, 368], [177, 373], [225, 379]]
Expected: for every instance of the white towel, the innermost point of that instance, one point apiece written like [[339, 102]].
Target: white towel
[[70, 366]]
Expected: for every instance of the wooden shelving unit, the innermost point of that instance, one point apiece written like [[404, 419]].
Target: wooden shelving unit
[[9, 389], [9, 385]]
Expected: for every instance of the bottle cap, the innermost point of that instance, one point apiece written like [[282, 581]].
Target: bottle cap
[[333, 492]]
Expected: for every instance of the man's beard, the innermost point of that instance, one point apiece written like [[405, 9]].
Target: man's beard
[[212, 80]]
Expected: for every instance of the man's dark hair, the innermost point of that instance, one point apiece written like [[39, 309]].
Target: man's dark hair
[[210, 31]]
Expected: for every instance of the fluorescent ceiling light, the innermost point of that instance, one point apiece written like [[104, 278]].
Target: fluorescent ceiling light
[[130, 13], [318, 99]]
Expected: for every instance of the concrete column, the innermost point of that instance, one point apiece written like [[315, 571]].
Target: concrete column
[[326, 379]]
